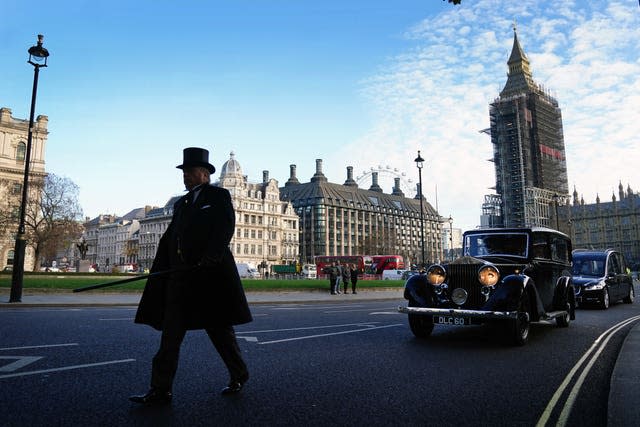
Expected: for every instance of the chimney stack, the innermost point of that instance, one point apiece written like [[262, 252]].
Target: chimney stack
[[374, 183], [292, 176], [396, 188], [318, 176], [350, 182]]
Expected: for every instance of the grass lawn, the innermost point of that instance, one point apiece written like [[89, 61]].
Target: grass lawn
[[77, 280]]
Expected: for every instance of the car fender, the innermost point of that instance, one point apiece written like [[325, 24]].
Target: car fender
[[507, 294], [418, 291]]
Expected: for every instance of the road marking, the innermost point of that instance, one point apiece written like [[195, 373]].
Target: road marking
[[119, 319], [330, 334], [65, 368], [370, 324], [248, 339], [349, 311], [595, 350], [38, 346], [317, 307], [20, 363], [393, 313]]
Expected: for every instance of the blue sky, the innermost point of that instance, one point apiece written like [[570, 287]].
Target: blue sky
[[355, 83]]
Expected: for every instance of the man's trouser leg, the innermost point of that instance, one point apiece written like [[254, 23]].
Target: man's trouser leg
[[224, 340], [165, 362]]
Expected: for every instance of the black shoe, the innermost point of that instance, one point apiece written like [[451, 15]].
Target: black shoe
[[354, 292], [234, 387], [333, 293], [153, 397]]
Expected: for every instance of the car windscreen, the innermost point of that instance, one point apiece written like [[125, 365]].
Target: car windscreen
[[588, 266], [505, 244]]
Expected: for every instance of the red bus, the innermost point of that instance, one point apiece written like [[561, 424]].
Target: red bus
[[386, 262], [362, 262]]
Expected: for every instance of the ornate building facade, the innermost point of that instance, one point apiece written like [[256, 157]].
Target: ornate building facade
[[601, 225], [342, 219], [528, 149], [266, 226], [13, 150]]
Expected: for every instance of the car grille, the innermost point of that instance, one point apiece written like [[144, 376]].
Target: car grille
[[465, 276]]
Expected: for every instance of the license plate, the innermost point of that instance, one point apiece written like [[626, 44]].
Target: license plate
[[451, 320]]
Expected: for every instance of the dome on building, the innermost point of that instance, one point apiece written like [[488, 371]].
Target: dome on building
[[231, 167]]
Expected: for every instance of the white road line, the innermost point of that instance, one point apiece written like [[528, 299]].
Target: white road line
[[119, 319], [596, 348], [38, 346], [355, 311], [316, 307], [370, 324], [65, 368], [328, 335], [21, 362]]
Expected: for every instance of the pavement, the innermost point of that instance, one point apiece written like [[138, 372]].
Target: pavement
[[624, 393]]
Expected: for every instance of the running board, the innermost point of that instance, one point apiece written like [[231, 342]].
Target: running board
[[554, 314]]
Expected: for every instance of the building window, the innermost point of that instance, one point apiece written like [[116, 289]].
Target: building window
[[21, 151], [16, 188], [10, 256]]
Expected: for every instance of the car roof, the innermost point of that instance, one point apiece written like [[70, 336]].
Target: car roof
[[516, 230], [590, 253]]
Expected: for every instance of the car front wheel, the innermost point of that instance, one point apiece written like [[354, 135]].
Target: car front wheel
[[421, 326], [629, 298], [604, 299], [563, 321]]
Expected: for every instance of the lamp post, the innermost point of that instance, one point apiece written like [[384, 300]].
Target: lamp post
[[555, 207], [420, 164], [451, 237], [38, 58]]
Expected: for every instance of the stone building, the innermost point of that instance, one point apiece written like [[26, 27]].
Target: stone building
[[342, 219], [114, 241], [601, 225], [266, 226], [152, 227], [13, 150]]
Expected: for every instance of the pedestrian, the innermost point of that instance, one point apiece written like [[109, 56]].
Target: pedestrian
[[346, 277], [203, 290], [338, 277], [354, 278], [332, 271]]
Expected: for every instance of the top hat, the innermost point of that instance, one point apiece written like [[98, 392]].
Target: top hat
[[193, 157]]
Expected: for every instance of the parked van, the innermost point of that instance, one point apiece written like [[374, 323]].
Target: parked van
[[393, 274], [309, 271], [247, 271]]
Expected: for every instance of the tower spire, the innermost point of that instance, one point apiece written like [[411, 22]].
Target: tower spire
[[519, 77]]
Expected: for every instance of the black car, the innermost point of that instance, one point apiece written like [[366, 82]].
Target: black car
[[600, 278], [510, 276]]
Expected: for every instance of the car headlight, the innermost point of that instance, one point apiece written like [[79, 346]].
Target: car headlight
[[596, 286], [436, 275], [488, 275]]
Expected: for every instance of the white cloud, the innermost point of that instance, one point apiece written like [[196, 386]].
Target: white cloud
[[435, 96]]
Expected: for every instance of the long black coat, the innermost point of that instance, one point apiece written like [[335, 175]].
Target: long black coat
[[208, 296]]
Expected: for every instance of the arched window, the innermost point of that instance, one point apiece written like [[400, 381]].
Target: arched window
[[10, 255], [21, 151]]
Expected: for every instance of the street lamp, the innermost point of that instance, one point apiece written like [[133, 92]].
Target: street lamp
[[555, 206], [38, 58], [451, 236], [420, 164]]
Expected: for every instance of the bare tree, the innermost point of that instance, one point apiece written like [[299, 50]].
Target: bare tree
[[52, 222]]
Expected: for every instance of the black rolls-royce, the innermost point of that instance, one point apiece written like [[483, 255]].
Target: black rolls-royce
[[510, 276]]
